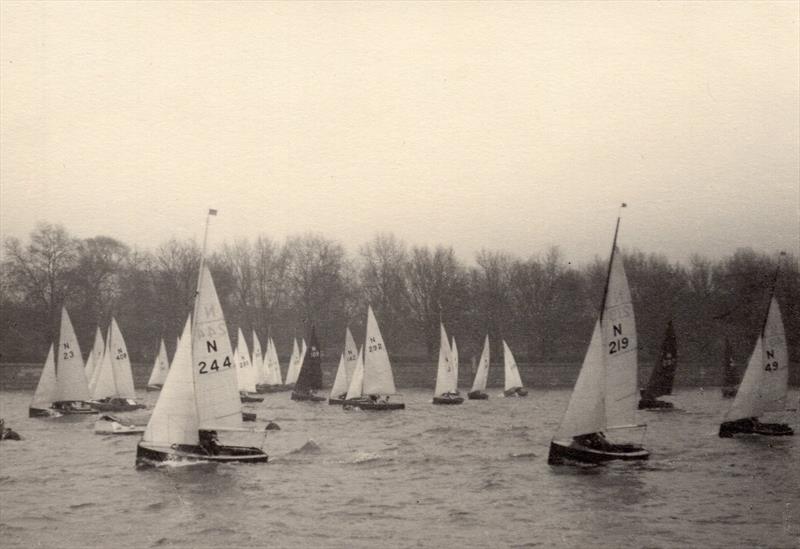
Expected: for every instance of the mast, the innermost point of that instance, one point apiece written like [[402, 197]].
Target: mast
[[194, 309], [611, 260], [771, 292]]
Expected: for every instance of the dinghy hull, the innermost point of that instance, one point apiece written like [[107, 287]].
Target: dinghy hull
[[73, 407], [562, 453], [116, 405], [248, 416], [43, 412], [516, 392], [337, 401], [264, 388], [448, 399], [751, 426], [655, 404], [247, 397], [477, 395], [372, 405], [152, 455], [306, 397]]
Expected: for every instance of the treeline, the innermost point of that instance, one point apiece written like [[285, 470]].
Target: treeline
[[542, 305]]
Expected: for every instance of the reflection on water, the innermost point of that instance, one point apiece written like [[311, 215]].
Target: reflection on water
[[473, 475]]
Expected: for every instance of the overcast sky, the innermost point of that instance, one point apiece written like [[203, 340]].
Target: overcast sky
[[508, 126]]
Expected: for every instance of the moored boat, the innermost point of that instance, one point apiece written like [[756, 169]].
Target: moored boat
[[765, 382], [604, 396], [663, 375]]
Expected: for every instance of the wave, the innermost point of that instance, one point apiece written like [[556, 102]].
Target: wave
[[523, 455], [81, 505], [363, 458], [309, 448]]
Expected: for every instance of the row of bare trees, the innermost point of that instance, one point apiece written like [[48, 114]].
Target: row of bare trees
[[542, 305]]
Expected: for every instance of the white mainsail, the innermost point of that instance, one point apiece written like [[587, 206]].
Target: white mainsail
[[96, 355], [123, 375], [620, 348], [378, 378], [47, 389], [259, 366], [356, 388], [70, 373], [175, 418], [214, 371], [444, 371], [511, 369], [294, 364], [102, 384], [245, 372], [340, 381], [765, 381], [160, 366], [482, 375], [274, 366], [586, 409], [350, 355]]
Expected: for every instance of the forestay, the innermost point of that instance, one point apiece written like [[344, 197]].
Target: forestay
[[378, 378]]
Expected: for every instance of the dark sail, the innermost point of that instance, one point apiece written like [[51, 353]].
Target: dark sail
[[310, 376], [664, 373], [730, 377]]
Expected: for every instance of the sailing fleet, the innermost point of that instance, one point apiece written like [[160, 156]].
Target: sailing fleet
[[203, 388]]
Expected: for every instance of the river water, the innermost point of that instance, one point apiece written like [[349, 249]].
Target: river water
[[474, 475]]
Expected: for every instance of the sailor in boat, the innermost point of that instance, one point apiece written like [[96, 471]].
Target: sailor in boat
[[6, 433], [73, 407], [209, 441], [598, 441]]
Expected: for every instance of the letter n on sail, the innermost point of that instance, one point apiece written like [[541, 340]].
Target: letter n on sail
[[617, 329], [211, 346]]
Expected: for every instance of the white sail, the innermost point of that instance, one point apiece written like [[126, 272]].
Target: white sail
[[620, 348], [765, 381], [47, 389], [274, 366], [350, 355], [482, 375], [102, 384], [511, 369], [586, 409], [303, 350], [160, 366], [123, 375], [294, 364], [340, 381], [175, 418], [70, 374], [259, 366], [245, 373], [444, 370], [212, 364], [356, 388], [378, 378], [95, 355]]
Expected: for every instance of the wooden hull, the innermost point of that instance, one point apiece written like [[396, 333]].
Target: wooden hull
[[449, 399], [148, 455], [337, 401], [516, 392], [477, 395], [305, 397], [747, 426], [262, 388], [655, 404], [115, 405], [373, 406], [562, 453], [249, 397]]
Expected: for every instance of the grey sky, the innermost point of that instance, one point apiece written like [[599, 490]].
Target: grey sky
[[511, 126]]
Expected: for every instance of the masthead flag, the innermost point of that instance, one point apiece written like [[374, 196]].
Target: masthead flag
[[212, 212]]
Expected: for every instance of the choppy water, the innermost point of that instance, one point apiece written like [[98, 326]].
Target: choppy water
[[468, 476]]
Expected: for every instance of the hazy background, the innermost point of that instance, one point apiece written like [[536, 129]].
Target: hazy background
[[510, 126]]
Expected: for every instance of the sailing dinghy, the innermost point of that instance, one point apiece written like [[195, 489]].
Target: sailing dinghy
[[513, 381], [160, 369], [245, 372], [344, 373], [663, 375], [201, 395], [113, 389], [294, 365], [309, 380], [478, 391], [604, 396], [274, 381], [730, 378], [372, 386], [96, 355], [446, 390], [765, 381]]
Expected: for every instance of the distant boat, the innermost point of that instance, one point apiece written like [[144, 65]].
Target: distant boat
[[160, 368], [246, 376], [478, 391], [309, 380], [765, 382], [274, 381], [344, 373], [446, 390], [112, 388], [355, 391], [107, 424], [604, 396], [513, 381], [663, 375], [372, 386], [6, 433], [730, 377], [62, 388], [95, 355], [295, 362], [201, 395]]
